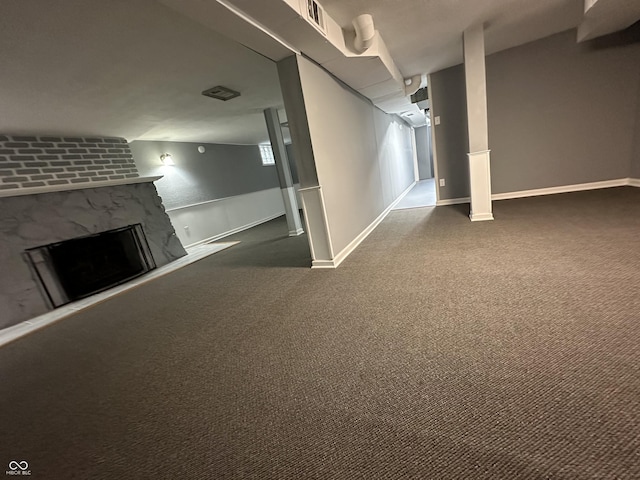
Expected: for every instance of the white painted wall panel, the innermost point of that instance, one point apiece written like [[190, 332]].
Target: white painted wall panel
[[222, 217], [363, 156]]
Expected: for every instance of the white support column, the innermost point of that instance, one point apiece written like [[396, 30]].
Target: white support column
[[479, 153], [284, 173], [317, 228]]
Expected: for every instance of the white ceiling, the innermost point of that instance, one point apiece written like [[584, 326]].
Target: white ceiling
[[126, 68], [136, 69], [424, 36]]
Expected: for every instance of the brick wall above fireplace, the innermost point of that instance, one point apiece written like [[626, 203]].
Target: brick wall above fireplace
[[39, 161], [57, 188]]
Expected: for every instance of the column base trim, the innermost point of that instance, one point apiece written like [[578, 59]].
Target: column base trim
[[481, 217], [295, 233]]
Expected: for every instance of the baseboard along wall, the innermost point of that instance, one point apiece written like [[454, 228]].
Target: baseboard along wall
[[620, 182], [344, 253]]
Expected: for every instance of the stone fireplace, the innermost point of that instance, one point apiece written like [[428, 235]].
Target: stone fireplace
[[35, 214], [81, 266]]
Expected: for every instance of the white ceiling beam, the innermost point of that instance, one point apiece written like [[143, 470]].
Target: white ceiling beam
[[602, 17]]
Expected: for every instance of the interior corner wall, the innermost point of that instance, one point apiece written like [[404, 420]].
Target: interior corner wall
[[560, 113], [449, 102], [221, 171], [363, 157], [210, 195]]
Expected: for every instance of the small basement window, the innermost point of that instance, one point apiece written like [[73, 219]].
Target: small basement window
[[266, 152]]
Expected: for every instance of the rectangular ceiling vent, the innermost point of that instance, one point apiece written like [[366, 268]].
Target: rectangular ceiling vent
[[221, 93], [420, 95], [316, 15]]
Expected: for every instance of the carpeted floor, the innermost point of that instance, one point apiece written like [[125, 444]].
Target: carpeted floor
[[440, 349]]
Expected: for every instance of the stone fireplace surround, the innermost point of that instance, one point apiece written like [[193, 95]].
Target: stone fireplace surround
[[35, 215]]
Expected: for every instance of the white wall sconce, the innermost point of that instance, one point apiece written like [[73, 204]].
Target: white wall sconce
[[167, 159]]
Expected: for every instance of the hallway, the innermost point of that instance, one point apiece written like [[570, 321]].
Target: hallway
[[423, 194]]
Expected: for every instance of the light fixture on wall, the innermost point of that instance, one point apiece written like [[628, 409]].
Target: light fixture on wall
[[167, 159]]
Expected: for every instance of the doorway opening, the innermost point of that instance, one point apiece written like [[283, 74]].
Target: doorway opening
[[423, 194]]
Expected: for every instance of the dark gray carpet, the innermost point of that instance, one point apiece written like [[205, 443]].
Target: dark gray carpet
[[440, 349]]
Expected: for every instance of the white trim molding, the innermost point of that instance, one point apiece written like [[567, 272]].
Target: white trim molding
[[18, 192], [317, 226], [634, 182], [234, 230], [346, 251], [452, 201], [578, 187], [480, 185]]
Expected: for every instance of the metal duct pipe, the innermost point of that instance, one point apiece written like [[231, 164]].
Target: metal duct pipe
[[365, 32]]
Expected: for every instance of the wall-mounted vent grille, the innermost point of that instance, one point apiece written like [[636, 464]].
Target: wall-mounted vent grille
[[221, 93], [316, 15]]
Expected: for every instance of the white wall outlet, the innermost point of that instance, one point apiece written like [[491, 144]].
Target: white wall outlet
[[442, 182], [436, 119]]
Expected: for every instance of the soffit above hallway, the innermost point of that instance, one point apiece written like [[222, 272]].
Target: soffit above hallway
[[414, 36]]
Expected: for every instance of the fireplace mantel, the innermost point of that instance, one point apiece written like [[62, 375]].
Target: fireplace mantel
[[75, 186]]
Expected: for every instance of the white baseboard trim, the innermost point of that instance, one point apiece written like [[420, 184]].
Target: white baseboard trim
[[578, 187], [481, 217], [452, 201], [634, 182], [323, 264], [620, 182], [235, 230], [295, 233], [346, 251]]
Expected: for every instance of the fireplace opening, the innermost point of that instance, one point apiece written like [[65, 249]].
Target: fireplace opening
[[82, 266]]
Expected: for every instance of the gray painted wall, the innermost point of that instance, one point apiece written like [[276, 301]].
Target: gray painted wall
[[222, 171], [423, 146], [452, 141], [560, 113], [363, 157], [292, 163]]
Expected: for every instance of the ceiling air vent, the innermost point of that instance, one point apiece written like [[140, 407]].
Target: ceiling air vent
[[221, 93], [420, 95], [316, 16]]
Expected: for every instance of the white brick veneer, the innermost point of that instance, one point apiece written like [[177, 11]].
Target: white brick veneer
[[38, 161]]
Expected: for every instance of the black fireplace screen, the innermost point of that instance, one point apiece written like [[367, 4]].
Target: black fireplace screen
[[82, 266]]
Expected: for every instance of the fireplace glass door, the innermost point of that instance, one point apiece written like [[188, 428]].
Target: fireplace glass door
[[79, 267]]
